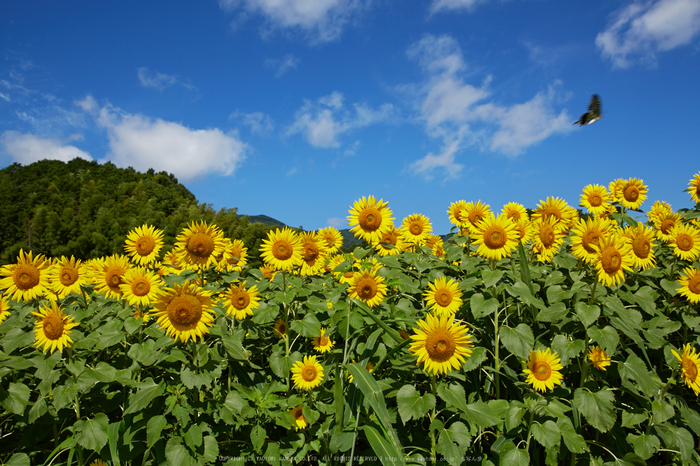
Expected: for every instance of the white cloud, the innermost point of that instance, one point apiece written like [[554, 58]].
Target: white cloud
[[259, 122], [336, 222], [282, 65], [159, 80], [642, 29], [321, 20], [142, 143], [327, 118], [445, 160], [29, 148], [439, 5]]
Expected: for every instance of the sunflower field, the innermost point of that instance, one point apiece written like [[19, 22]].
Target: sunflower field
[[553, 335]]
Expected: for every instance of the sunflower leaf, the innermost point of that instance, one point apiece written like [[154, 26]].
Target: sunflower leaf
[[482, 307], [177, 453], [258, 436], [148, 390], [482, 414], [547, 434], [453, 395], [513, 456], [634, 374], [573, 440], [586, 313], [92, 433], [308, 327], [155, 426], [386, 451], [412, 405], [607, 337], [596, 407], [644, 445], [17, 398], [518, 340]]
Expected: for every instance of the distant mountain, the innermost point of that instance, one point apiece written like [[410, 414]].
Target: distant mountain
[[349, 239]]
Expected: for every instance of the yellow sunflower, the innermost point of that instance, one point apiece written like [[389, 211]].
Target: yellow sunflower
[[143, 244], [52, 328], [391, 242], [171, 264], [199, 245], [67, 276], [435, 243], [615, 188], [596, 199], [685, 242], [240, 302], [415, 229], [459, 214], [323, 343], [367, 287], [98, 463], [307, 373], [641, 238], [184, 312], [658, 208], [515, 212], [444, 297], [280, 328], [475, 213], [690, 284], [441, 343], [543, 370], [694, 188], [497, 237], [549, 236], [26, 280], [313, 253], [234, 256], [282, 249], [690, 367], [634, 193], [599, 358], [108, 280], [614, 257], [664, 224], [268, 272], [556, 208], [586, 238], [141, 287], [300, 420], [4, 308], [525, 231], [333, 239], [370, 219]]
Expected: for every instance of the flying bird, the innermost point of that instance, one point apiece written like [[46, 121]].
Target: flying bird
[[593, 113]]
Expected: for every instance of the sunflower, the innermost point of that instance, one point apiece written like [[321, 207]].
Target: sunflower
[[549, 236], [143, 244], [367, 287], [441, 343], [300, 420], [658, 208], [615, 188], [415, 229], [586, 238], [141, 287], [497, 237], [515, 212], [370, 218], [26, 280], [641, 239], [199, 245], [435, 243], [599, 358], [459, 214], [52, 328], [172, 264], [282, 249], [694, 188], [185, 312], [690, 367], [685, 242], [614, 257], [634, 193], [313, 253], [240, 302], [444, 297], [108, 280], [690, 284], [67, 276], [234, 256], [98, 463], [280, 328], [307, 373], [475, 213], [556, 208], [323, 343], [391, 242], [596, 199], [268, 272], [543, 370], [4, 308], [333, 239], [525, 231], [664, 223]]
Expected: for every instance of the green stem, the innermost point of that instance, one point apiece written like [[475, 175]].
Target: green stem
[[433, 443], [529, 431]]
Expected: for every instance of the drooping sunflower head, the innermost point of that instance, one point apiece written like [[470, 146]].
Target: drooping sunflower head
[[443, 296], [67, 276], [141, 286], [280, 328], [368, 287], [694, 188], [300, 421], [323, 342], [199, 245], [641, 240], [614, 257], [143, 244], [184, 312], [234, 256], [314, 253], [109, 280], [634, 193], [415, 229], [497, 237], [391, 242], [52, 328], [515, 212], [333, 239], [370, 218], [26, 280], [4, 308], [459, 214], [596, 199], [441, 343], [525, 231], [599, 358], [690, 284], [690, 367], [542, 370], [282, 249], [586, 238], [685, 242], [307, 374], [241, 302]]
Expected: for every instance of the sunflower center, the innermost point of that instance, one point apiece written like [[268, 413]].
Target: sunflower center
[[68, 276], [641, 246], [26, 277], [184, 312], [140, 287], [281, 328], [53, 327], [684, 242], [113, 279], [611, 260], [201, 245], [495, 237], [240, 300], [370, 219], [595, 200], [323, 341], [311, 253], [475, 217], [631, 193], [443, 297], [552, 211], [542, 371], [589, 239], [440, 345], [690, 369], [236, 254], [547, 236], [416, 229], [309, 373], [694, 284], [282, 250], [667, 225], [366, 288], [389, 238], [145, 245]]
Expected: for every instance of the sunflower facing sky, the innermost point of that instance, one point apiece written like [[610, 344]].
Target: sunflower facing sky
[[694, 188], [370, 219], [307, 374], [459, 214], [641, 239], [441, 343], [141, 286], [556, 208], [199, 245], [586, 238], [690, 284], [596, 199], [323, 342], [475, 212], [4, 308], [391, 242], [664, 223], [690, 367], [314, 252], [599, 358], [333, 239], [497, 237], [282, 249], [415, 229], [368, 287], [685, 242], [184, 312], [26, 280], [143, 244], [67, 276], [515, 212], [542, 370], [52, 328], [234, 258], [633, 194], [614, 257], [108, 279], [443, 297], [548, 236], [240, 302]]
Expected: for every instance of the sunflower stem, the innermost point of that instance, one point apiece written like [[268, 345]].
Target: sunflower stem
[[433, 453], [529, 430], [590, 300]]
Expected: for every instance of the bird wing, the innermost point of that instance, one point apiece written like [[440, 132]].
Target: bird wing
[[594, 105]]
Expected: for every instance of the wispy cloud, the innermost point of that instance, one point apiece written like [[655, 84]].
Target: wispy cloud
[[259, 123], [464, 114], [160, 81], [642, 29], [26, 148], [282, 65], [319, 20], [322, 121], [449, 5]]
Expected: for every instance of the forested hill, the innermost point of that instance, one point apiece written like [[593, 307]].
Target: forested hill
[[86, 209]]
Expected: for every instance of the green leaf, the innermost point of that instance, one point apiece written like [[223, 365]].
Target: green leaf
[[308, 327], [662, 412], [482, 414], [234, 347], [479, 355], [547, 434], [412, 405], [176, 453], [514, 415], [258, 436], [524, 292], [587, 314], [113, 437], [18, 459], [567, 349], [211, 449], [646, 297], [482, 307], [38, 409], [447, 449], [513, 456], [554, 313], [631, 418], [573, 441], [644, 445], [385, 450], [518, 340], [234, 406], [17, 398], [453, 395], [155, 426], [193, 436], [556, 294], [596, 407], [148, 390], [92, 433], [670, 287], [491, 277], [607, 337], [635, 371], [16, 338]]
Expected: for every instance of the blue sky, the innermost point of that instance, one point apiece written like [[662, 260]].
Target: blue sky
[[295, 109]]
